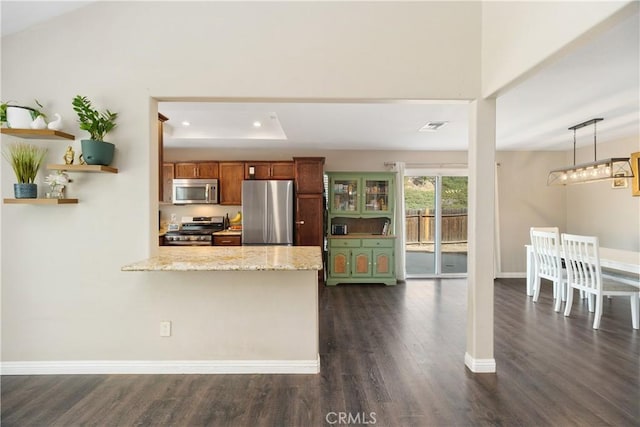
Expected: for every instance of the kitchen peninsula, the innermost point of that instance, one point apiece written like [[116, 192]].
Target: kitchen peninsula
[[253, 309]]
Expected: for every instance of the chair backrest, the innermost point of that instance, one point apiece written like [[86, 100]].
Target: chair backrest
[[546, 250], [582, 258]]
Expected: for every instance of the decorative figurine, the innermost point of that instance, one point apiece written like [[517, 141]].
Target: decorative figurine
[[81, 160], [69, 156], [56, 124]]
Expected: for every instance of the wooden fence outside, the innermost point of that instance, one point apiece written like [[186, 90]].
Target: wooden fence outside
[[420, 225]]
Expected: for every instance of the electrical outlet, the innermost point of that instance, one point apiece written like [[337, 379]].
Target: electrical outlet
[[165, 329]]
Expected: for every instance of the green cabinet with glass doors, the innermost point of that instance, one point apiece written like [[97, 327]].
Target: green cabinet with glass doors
[[361, 241], [355, 193]]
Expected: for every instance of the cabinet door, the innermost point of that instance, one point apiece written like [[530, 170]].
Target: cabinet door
[[227, 241], [309, 219], [167, 182], [339, 262], [230, 182], [344, 195], [282, 170], [261, 170], [208, 170], [377, 194], [361, 263], [383, 263], [186, 170], [309, 174]]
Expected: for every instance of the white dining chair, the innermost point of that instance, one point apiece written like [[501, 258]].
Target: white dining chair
[[582, 258], [545, 242]]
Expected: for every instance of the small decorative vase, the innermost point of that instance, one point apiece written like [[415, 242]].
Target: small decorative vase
[[97, 152], [25, 191], [38, 123]]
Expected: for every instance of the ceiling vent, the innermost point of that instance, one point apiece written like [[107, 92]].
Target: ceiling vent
[[432, 126]]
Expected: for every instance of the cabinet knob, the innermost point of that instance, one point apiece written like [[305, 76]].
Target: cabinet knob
[[300, 222]]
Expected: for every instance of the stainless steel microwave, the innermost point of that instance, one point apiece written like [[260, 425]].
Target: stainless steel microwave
[[195, 191]]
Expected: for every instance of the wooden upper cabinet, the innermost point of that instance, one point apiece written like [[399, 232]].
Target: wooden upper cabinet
[[161, 190], [261, 170], [282, 170], [167, 182], [186, 170], [269, 170], [231, 175], [204, 170], [309, 175], [208, 170]]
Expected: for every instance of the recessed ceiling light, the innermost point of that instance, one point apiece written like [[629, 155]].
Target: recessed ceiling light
[[257, 124], [186, 123], [432, 126]]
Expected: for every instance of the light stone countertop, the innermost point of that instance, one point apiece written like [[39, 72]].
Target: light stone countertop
[[361, 236], [231, 258]]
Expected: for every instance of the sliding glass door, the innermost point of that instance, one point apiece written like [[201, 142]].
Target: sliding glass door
[[435, 224]]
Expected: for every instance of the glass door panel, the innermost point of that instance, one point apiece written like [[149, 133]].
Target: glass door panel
[[420, 196], [436, 225], [454, 224], [376, 196], [345, 195]]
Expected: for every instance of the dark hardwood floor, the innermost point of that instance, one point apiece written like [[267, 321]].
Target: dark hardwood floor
[[390, 356]]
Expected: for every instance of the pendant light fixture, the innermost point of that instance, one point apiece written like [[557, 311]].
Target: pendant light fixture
[[598, 170]]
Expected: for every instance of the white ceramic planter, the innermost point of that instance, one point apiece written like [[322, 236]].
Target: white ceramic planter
[[19, 118]]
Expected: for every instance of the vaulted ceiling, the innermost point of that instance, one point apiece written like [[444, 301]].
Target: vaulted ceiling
[[599, 79]]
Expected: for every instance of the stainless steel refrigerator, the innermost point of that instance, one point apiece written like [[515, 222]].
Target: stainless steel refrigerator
[[267, 212]]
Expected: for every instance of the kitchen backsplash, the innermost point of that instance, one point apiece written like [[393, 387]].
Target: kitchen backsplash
[[195, 210]]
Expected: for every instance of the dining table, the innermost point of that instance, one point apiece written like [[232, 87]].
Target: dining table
[[619, 263]]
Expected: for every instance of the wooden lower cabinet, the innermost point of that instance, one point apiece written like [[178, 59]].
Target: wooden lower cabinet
[[227, 240], [309, 220], [168, 174], [361, 260]]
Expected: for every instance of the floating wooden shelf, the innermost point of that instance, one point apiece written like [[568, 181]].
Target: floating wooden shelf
[[83, 168], [37, 133], [41, 201]]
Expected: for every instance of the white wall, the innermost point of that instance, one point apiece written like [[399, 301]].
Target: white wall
[[598, 209], [526, 201], [520, 36], [63, 295]]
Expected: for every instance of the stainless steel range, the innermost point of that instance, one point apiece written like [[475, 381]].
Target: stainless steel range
[[195, 231]]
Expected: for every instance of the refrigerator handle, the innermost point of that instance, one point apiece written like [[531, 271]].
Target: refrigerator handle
[[267, 215]]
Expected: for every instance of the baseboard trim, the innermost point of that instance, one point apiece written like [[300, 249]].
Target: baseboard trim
[[87, 367], [480, 366], [511, 275]]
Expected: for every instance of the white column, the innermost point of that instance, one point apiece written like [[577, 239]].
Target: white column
[[482, 142]]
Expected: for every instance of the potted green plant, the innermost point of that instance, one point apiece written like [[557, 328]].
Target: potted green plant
[[95, 151], [25, 159], [20, 116]]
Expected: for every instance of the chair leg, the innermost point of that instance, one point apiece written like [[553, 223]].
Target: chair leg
[[590, 302], [559, 299], [598, 313], [567, 306], [536, 288], [635, 311]]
